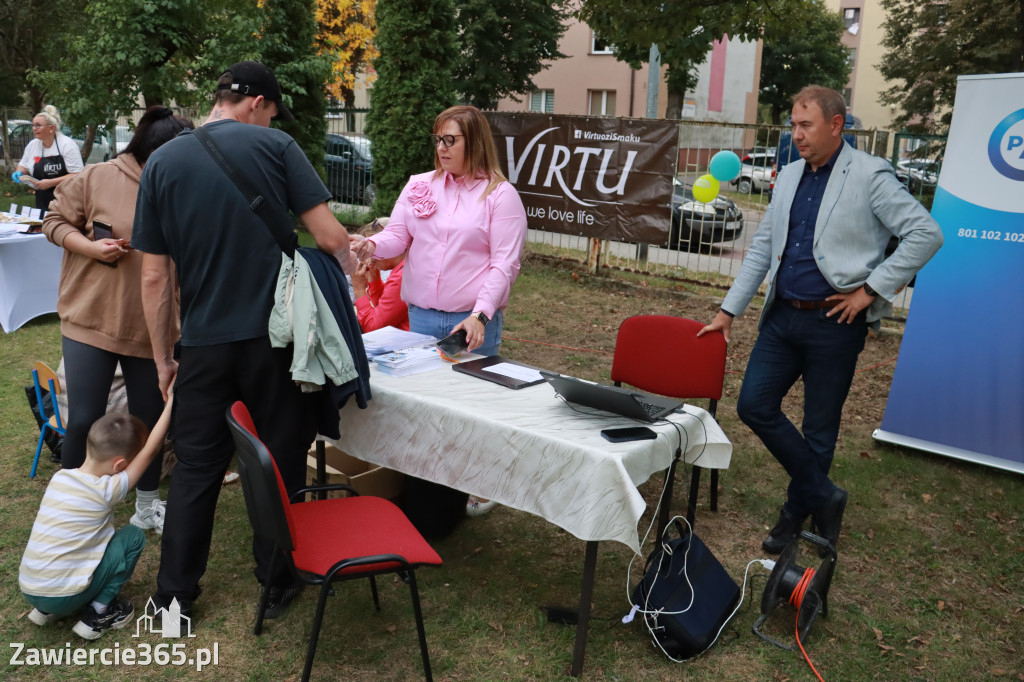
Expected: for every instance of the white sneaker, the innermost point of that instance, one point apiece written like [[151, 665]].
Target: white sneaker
[[151, 518], [475, 507], [40, 618]]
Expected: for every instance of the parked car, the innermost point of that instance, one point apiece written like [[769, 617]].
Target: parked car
[[101, 147], [924, 169], [757, 172], [122, 136], [787, 151], [695, 223], [17, 129], [21, 134], [349, 163], [911, 181]]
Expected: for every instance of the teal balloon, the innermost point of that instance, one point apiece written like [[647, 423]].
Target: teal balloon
[[725, 166]]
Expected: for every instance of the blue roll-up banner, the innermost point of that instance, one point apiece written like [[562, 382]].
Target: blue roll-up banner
[[958, 387]]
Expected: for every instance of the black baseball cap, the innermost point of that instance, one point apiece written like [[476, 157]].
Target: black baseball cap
[[254, 79]]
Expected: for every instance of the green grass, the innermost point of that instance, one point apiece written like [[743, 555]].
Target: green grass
[[929, 584]]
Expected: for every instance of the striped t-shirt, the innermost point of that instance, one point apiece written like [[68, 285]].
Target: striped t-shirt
[[70, 534]]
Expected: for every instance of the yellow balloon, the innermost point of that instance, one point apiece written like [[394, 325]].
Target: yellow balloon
[[705, 189]]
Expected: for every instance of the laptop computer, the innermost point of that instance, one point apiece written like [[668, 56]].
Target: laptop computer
[[620, 401]]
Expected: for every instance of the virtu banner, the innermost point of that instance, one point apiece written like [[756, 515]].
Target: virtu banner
[[603, 177]]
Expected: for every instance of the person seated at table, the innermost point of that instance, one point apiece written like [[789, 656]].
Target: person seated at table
[[379, 301]]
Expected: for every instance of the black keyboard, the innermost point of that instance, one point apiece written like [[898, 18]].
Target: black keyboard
[[651, 409]]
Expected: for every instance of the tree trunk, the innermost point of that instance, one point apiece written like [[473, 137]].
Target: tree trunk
[[90, 137], [674, 105]]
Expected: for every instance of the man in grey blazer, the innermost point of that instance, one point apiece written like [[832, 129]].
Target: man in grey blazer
[[822, 246]]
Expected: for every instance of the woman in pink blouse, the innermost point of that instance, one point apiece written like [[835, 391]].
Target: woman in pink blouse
[[463, 225]]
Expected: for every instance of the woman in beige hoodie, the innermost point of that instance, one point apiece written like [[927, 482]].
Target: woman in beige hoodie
[[100, 300]]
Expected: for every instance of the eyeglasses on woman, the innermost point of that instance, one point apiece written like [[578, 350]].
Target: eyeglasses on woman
[[446, 140]]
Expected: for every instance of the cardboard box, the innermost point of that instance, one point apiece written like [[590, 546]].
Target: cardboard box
[[366, 478]]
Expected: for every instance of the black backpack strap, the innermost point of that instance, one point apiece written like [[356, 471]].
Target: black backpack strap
[[257, 203]]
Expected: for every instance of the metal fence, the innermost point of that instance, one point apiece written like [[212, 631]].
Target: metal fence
[[702, 247], [348, 158], [107, 142], [712, 257]]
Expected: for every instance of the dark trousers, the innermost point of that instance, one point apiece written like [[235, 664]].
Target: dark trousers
[[210, 379], [805, 344], [89, 373]]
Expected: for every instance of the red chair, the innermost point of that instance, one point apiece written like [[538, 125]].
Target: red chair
[[662, 354], [326, 541]]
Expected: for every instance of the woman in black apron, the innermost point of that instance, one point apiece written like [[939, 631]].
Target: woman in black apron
[[50, 170]]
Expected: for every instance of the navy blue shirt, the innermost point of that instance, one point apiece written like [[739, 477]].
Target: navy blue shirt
[[799, 277]]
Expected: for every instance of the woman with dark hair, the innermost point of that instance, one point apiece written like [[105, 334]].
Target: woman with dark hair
[[100, 298], [464, 226]]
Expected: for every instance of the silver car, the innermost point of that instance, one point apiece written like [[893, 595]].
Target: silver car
[[757, 173]]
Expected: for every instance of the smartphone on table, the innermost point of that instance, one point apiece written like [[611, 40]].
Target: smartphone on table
[[628, 433]]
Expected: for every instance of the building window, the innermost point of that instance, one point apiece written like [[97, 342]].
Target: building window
[[851, 17], [599, 46], [542, 101], [851, 57], [848, 96], [602, 102]]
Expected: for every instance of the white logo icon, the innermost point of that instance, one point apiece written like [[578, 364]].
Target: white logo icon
[[165, 622]]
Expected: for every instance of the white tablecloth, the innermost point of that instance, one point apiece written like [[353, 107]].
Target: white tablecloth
[[526, 449], [29, 278]]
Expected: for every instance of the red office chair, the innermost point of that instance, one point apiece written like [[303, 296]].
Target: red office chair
[[663, 354], [326, 541]]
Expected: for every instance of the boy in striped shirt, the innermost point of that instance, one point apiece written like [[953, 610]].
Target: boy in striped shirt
[[74, 558]]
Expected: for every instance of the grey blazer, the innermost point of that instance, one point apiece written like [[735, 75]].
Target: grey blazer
[[862, 206]]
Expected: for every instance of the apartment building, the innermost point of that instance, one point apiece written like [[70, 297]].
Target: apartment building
[[591, 81], [865, 28]]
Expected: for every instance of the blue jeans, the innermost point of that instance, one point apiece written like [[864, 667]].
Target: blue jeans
[[113, 571], [439, 324], [793, 344]]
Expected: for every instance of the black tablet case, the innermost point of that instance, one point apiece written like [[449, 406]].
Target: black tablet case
[[476, 368]]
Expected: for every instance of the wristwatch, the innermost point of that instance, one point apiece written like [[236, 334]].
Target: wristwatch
[[869, 291], [483, 318]]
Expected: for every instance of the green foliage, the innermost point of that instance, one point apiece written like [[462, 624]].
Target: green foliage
[[503, 44], [928, 44], [684, 30], [30, 38], [800, 48], [161, 50], [416, 39], [289, 49]]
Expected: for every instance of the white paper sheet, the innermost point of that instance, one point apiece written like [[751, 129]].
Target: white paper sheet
[[507, 369]]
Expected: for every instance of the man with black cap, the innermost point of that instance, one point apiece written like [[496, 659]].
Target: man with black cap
[[192, 222]]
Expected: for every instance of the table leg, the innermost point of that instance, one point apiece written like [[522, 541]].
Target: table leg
[[586, 594], [665, 506]]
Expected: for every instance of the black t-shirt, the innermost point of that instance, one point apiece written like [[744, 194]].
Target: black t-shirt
[[226, 259]]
